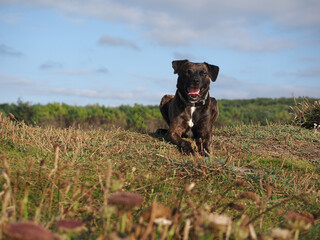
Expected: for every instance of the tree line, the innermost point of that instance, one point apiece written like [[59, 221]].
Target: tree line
[[146, 118]]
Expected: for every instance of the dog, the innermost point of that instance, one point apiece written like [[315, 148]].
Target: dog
[[191, 112]]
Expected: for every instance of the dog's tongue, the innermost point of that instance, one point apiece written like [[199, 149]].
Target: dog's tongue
[[194, 92]]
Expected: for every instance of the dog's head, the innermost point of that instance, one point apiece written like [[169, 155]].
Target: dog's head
[[194, 78]]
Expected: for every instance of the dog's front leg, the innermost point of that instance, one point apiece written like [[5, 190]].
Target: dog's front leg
[[204, 142], [203, 145], [175, 135]]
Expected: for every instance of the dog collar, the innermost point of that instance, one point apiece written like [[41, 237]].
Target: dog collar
[[201, 102]]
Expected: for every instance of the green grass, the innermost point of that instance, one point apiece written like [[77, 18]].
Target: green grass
[[255, 175]]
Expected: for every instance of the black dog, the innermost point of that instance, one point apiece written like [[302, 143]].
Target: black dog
[[191, 112]]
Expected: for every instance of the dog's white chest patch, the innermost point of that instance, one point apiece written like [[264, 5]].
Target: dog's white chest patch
[[191, 124]]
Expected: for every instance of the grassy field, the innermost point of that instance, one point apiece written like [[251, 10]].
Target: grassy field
[[261, 182]]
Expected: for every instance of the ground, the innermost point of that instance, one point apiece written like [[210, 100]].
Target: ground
[[255, 176]]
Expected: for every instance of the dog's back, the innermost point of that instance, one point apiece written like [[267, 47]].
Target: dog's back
[[164, 107]]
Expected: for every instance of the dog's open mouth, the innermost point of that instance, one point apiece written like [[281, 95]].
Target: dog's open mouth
[[194, 92]]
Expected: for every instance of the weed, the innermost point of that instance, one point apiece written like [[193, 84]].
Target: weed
[[261, 181], [306, 114]]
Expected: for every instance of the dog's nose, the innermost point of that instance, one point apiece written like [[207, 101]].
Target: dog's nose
[[196, 80]]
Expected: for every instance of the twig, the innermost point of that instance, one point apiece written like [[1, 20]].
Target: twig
[[274, 206]]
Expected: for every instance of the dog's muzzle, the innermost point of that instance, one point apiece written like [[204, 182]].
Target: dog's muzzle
[[193, 92], [190, 102]]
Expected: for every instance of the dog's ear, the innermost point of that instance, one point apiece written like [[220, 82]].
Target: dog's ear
[[213, 71], [176, 65]]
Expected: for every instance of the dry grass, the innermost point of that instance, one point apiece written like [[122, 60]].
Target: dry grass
[[307, 114], [257, 180]]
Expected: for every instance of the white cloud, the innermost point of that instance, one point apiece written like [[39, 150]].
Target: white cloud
[[248, 26], [152, 79], [232, 24], [9, 51], [50, 65], [225, 88], [249, 44], [102, 70], [81, 71], [107, 10], [178, 55], [27, 87], [232, 88], [310, 59], [138, 94], [117, 41], [12, 81], [312, 72], [10, 18]]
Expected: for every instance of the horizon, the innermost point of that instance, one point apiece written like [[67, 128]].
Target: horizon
[[148, 105], [119, 53]]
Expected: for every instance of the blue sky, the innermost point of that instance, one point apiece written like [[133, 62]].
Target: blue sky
[[114, 52]]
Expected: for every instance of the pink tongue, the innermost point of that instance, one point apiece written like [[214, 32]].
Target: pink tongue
[[194, 92]]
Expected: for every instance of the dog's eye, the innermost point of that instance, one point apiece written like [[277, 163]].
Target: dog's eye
[[203, 73], [189, 72]]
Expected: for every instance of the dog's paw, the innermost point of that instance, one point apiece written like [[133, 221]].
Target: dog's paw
[[186, 148], [203, 147]]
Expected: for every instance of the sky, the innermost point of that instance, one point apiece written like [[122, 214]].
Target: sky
[[116, 52]]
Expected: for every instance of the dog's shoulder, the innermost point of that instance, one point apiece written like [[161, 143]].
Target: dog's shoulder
[[214, 108], [213, 101], [165, 99]]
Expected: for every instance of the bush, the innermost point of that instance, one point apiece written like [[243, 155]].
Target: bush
[[307, 114]]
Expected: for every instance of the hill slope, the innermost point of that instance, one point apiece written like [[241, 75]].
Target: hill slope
[[148, 118], [255, 176]]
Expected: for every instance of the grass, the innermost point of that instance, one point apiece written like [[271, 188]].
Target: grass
[[255, 178], [306, 113]]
